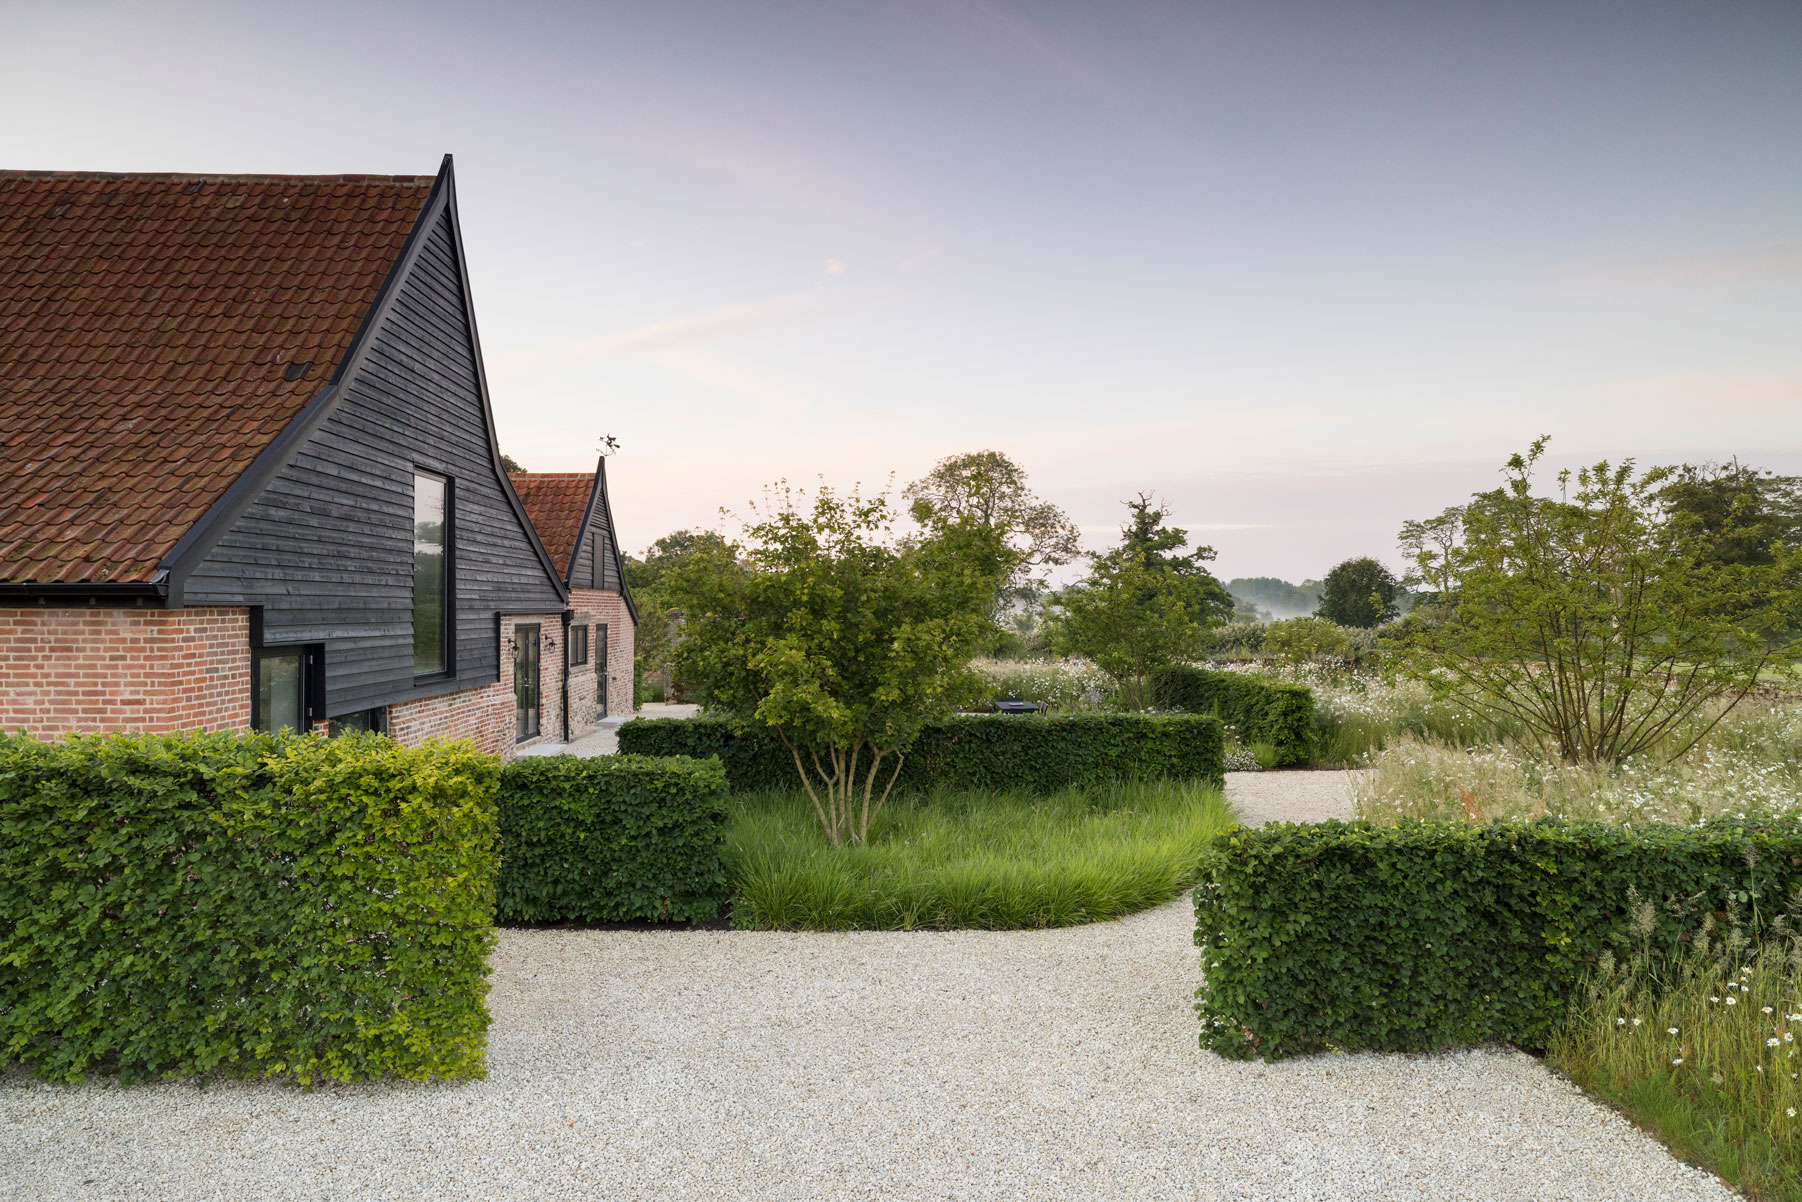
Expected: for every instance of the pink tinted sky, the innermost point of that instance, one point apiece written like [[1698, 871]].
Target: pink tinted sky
[[1305, 270]]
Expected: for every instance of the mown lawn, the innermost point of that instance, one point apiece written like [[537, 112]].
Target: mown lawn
[[947, 860]]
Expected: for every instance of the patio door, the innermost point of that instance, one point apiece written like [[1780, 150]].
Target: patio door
[[600, 667], [526, 702]]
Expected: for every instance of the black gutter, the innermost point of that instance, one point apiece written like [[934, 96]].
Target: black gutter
[[91, 593]]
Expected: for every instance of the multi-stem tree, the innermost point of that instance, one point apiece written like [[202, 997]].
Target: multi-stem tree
[[1602, 620], [841, 639]]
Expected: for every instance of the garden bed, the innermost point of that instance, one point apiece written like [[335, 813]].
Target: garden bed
[[967, 859]]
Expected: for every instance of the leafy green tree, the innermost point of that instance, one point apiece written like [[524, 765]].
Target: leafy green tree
[[1752, 517], [1146, 604], [1601, 620], [1302, 640], [1359, 592], [841, 639], [990, 489], [659, 621], [509, 464]]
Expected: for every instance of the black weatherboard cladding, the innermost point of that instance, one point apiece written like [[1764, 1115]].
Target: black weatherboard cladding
[[327, 548], [596, 550]]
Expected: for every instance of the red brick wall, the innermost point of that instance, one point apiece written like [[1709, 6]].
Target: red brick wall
[[486, 715], [95, 669], [593, 607]]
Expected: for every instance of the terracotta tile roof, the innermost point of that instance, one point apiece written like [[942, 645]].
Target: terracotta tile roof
[[156, 333], [555, 501]]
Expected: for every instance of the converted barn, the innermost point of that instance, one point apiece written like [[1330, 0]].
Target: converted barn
[[574, 521], [248, 467]]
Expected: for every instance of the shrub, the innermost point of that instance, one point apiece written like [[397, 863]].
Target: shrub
[[611, 839], [1260, 710], [182, 904], [1039, 755], [1424, 935], [1235, 640], [1304, 640]]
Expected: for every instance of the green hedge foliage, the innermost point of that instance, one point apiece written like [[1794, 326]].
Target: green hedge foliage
[[187, 904], [1262, 711], [612, 839], [1428, 935], [972, 751]]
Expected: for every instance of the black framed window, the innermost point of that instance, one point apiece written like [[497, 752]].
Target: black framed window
[[278, 689], [578, 644], [371, 719], [525, 680], [431, 575]]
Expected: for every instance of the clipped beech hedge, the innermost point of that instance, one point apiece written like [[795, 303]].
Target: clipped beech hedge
[[1034, 754], [246, 905], [1262, 711], [612, 839], [1426, 935]]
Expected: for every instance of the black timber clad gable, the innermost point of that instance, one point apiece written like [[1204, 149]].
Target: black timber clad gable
[[597, 560], [326, 548]]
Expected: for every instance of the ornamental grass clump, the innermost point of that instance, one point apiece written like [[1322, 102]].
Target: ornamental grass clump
[[1748, 767], [972, 858], [1700, 1050]]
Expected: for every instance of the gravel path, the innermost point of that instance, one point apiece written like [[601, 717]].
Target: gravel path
[[969, 1065], [1297, 795]]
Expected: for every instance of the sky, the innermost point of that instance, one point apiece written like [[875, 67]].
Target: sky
[[1304, 270]]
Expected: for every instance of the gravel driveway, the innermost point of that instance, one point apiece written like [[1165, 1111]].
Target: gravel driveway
[[968, 1065]]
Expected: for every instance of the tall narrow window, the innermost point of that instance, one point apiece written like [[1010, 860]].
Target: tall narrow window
[[431, 575], [525, 680]]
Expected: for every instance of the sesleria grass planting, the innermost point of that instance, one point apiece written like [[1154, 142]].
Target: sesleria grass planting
[[1702, 1053], [1750, 766], [945, 860]]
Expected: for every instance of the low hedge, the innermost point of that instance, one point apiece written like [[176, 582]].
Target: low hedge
[[1262, 711], [971, 751], [186, 904], [612, 839], [1432, 934]]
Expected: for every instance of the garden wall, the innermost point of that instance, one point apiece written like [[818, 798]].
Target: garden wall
[[249, 905], [1428, 935], [972, 751], [1260, 710]]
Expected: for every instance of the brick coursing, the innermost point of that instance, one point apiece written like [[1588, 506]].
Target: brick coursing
[[155, 671], [97, 670], [592, 608], [486, 715]]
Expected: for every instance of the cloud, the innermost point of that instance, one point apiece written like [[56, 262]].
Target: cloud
[[1736, 390], [724, 377], [920, 258], [998, 32], [835, 267], [1764, 261], [671, 333]]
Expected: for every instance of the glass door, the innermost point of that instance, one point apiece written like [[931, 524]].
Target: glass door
[[525, 680], [600, 667]]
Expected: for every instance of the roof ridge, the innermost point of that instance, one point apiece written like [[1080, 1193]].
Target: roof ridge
[[222, 177]]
